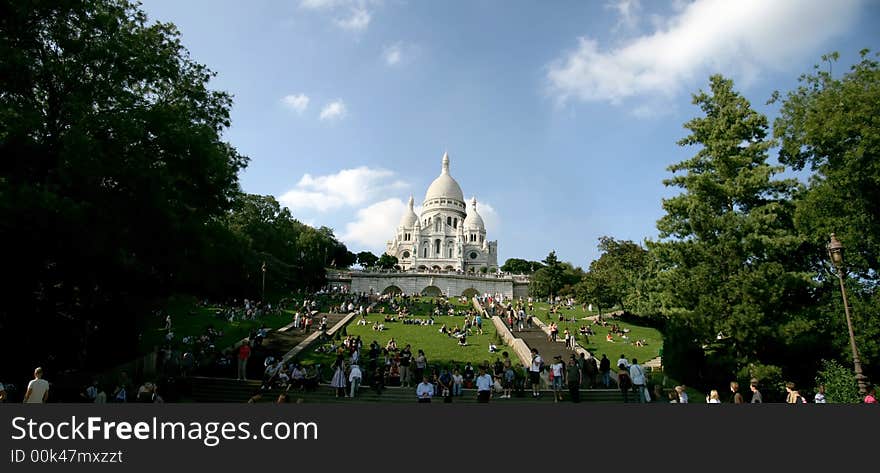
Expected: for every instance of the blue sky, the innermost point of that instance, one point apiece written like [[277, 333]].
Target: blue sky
[[560, 117]]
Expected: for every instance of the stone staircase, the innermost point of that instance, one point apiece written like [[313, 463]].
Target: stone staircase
[[204, 389]]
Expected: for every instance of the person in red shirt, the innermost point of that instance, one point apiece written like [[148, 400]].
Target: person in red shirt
[[244, 352]]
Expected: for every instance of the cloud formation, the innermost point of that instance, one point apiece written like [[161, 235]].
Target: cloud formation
[[334, 110], [298, 102], [374, 225], [357, 20], [347, 188], [392, 54], [743, 37]]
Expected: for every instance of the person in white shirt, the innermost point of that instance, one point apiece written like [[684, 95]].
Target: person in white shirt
[[623, 360], [425, 390], [637, 374], [557, 369], [484, 386], [535, 372], [819, 398], [38, 389], [354, 379]]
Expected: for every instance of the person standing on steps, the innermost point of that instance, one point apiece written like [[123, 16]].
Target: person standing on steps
[[605, 369], [244, 353], [38, 389], [535, 372], [484, 386], [425, 391], [557, 371], [405, 360], [574, 377]]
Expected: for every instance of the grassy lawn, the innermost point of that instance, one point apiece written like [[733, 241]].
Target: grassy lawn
[[441, 350], [597, 344], [189, 319]]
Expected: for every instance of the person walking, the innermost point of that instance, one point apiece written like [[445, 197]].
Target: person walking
[[624, 382], [38, 389], [756, 394], [338, 380], [737, 398], [637, 375], [354, 379]]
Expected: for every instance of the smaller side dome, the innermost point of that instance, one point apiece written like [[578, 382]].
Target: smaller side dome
[[409, 218], [473, 221]]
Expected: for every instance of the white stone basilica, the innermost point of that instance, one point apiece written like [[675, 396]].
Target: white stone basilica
[[447, 236]]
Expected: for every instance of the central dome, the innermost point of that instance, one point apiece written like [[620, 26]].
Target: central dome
[[444, 187]]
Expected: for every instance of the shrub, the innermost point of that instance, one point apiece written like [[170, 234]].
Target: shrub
[[840, 383]]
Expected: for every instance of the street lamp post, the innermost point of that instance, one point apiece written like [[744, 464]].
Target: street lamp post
[[264, 281], [835, 253]]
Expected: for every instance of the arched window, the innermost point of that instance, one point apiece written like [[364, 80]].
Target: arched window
[[449, 221], [425, 252], [437, 247], [455, 223]]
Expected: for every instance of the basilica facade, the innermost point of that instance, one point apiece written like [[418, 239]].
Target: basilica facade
[[448, 234]]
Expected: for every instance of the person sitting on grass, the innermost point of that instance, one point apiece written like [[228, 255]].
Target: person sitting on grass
[[462, 341], [493, 348], [609, 338]]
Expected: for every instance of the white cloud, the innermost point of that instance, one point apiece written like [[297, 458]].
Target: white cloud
[[392, 54], [321, 4], [334, 110], [347, 188], [628, 11], [374, 225], [358, 20], [298, 102], [739, 38]]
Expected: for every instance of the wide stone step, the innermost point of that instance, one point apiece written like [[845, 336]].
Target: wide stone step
[[230, 390]]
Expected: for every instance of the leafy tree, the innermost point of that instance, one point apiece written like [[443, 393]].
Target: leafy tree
[[387, 261], [728, 252], [520, 266], [548, 280], [367, 259], [612, 279], [829, 125], [113, 165]]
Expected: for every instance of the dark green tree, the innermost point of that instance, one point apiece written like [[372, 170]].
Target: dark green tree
[[730, 260], [829, 125], [367, 259], [113, 165], [387, 261], [550, 279], [613, 278], [520, 266]]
